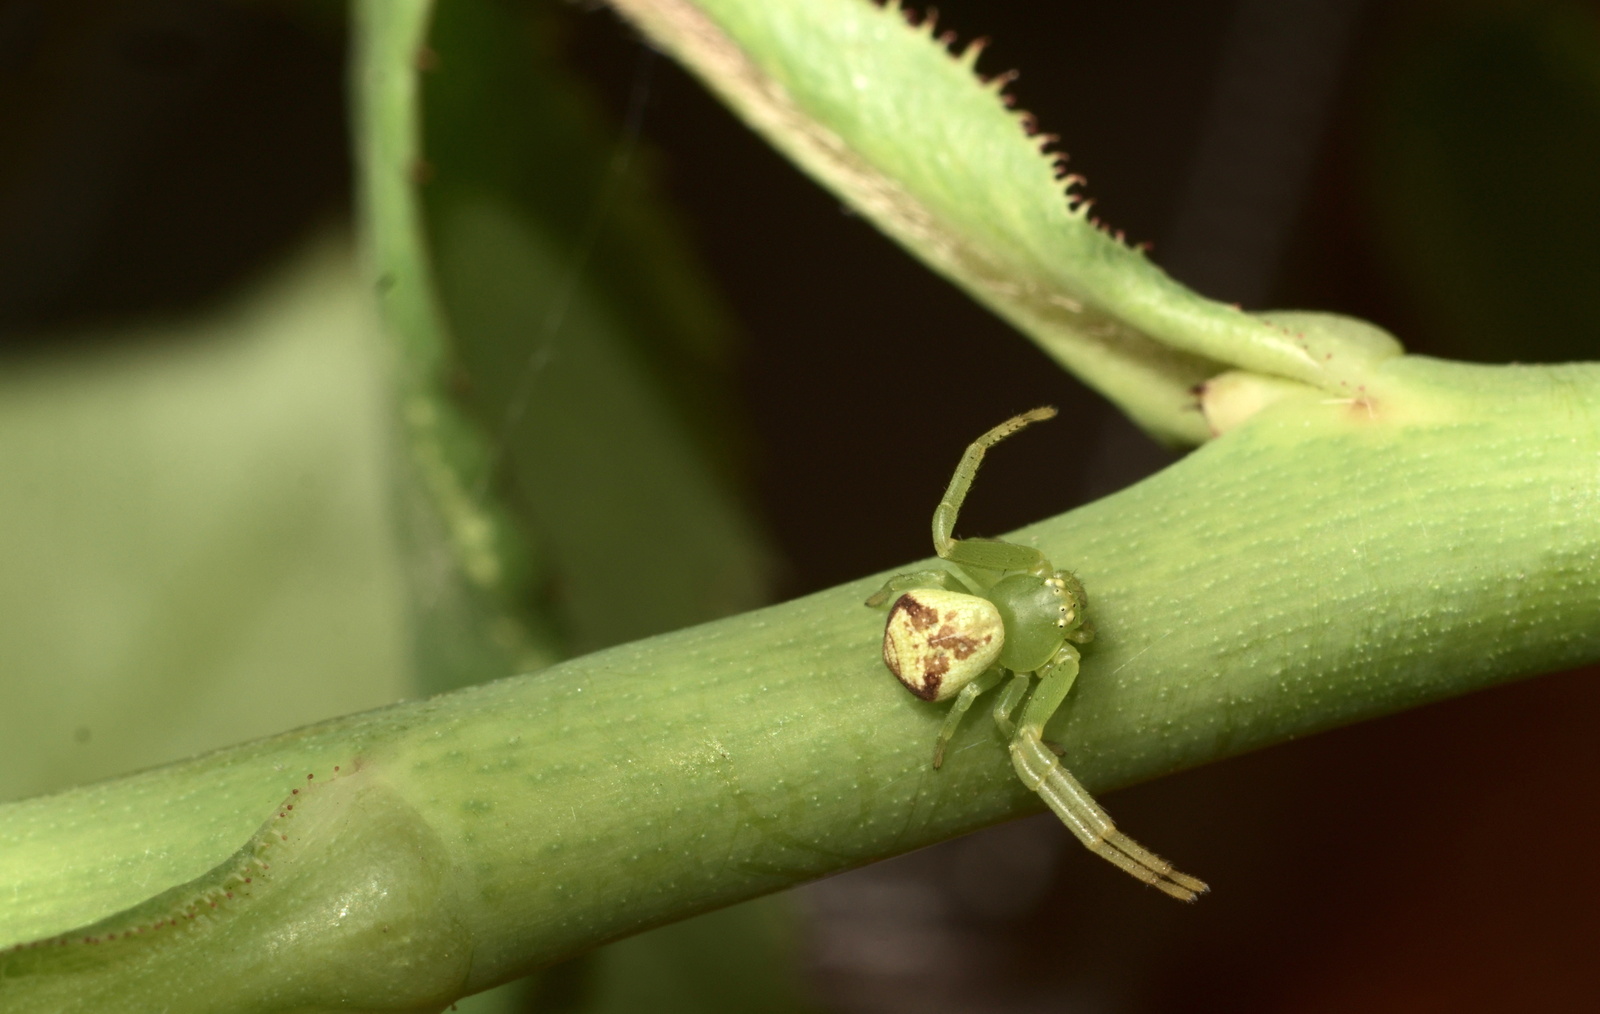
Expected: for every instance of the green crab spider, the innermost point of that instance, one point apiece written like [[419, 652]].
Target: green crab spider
[[1006, 610]]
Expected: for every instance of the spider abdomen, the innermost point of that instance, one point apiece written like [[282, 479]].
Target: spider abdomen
[[937, 641]]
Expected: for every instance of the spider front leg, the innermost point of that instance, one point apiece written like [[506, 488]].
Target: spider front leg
[[916, 579], [1015, 691], [985, 554], [1041, 772], [958, 710]]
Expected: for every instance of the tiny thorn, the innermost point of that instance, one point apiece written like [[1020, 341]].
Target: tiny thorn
[[938, 755]]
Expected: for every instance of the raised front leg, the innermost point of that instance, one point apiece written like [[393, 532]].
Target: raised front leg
[[1070, 801], [986, 553]]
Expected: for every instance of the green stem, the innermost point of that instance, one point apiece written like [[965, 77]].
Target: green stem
[[1329, 560]]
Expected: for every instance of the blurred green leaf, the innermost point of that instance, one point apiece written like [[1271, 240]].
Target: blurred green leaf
[[571, 499], [194, 548], [733, 960], [736, 960], [586, 345], [567, 380], [468, 567]]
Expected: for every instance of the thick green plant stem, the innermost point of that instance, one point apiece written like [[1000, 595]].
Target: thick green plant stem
[[1327, 561]]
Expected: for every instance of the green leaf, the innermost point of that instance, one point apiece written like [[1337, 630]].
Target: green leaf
[[468, 567], [882, 113], [557, 329], [193, 540], [538, 415], [582, 336]]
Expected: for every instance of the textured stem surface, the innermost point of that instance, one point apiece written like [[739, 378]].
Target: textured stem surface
[[1326, 562]]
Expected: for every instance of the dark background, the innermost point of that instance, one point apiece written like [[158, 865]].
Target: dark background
[[1428, 166]]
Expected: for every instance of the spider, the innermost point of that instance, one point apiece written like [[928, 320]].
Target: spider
[[1006, 610]]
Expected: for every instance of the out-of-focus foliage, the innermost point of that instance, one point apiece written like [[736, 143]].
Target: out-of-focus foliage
[[563, 339], [585, 342], [197, 543], [193, 543], [1482, 160]]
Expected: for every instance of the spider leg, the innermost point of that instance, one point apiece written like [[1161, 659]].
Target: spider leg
[[934, 578], [994, 554], [986, 553], [1015, 691], [1041, 772], [958, 710]]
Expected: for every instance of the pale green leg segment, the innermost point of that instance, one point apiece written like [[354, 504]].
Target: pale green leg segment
[[1015, 691], [994, 555], [1041, 772], [916, 579], [984, 553], [969, 693]]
